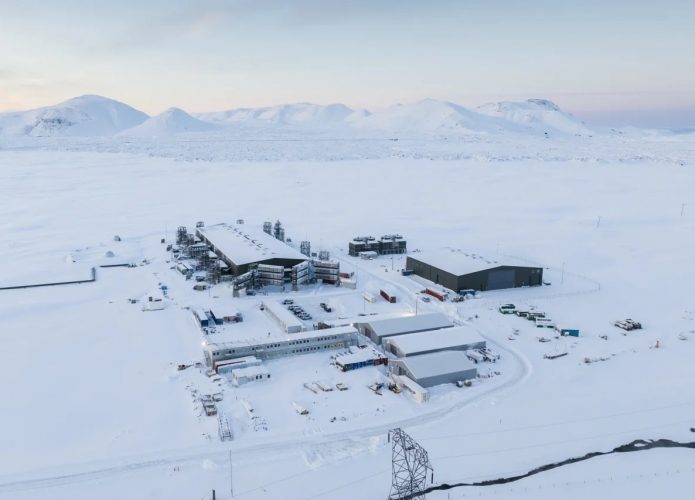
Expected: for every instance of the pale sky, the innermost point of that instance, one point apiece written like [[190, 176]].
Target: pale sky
[[607, 61]]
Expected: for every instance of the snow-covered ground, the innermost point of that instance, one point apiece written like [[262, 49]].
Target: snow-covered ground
[[94, 406]]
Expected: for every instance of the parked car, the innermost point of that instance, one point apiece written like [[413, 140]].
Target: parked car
[[288, 301]]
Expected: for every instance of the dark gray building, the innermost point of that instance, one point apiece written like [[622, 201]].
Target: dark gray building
[[456, 271]]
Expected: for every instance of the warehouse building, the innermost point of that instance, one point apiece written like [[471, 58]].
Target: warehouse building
[[428, 370], [240, 246], [276, 347], [379, 329], [457, 271], [460, 338]]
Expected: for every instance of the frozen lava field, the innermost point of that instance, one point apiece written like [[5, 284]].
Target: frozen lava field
[[94, 406]]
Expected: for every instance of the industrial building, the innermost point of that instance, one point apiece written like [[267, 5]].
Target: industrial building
[[290, 345], [460, 338], [379, 329], [241, 245], [457, 271], [437, 368], [386, 245]]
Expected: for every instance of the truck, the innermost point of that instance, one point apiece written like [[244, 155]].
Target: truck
[[507, 308], [387, 296]]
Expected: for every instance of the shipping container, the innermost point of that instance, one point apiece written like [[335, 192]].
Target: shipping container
[[437, 295], [388, 297]]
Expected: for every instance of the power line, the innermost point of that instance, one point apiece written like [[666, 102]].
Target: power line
[[560, 422]]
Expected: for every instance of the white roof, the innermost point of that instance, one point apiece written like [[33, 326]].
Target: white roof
[[250, 371], [437, 363], [408, 324], [245, 244], [363, 319], [358, 355], [448, 338], [457, 262], [262, 340], [250, 360], [283, 314]]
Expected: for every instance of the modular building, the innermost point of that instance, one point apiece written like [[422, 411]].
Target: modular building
[[241, 245], [251, 374], [386, 245], [359, 357], [428, 370], [459, 338], [290, 345], [227, 366], [457, 270], [287, 321], [379, 329]]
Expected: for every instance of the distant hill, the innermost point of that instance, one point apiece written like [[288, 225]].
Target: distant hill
[[170, 122], [301, 114], [538, 115], [87, 115], [432, 116]]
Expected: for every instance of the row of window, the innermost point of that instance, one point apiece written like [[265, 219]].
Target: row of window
[[271, 346]]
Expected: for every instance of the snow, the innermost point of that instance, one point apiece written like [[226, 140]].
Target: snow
[[447, 338], [538, 115], [94, 405], [384, 327], [170, 122], [87, 115], [437, 363], [245, 243], [458, 262]]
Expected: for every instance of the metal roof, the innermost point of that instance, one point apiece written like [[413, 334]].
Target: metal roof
[[448, 338], [408, 324], [437, 363], [246, 244], [458, 262]]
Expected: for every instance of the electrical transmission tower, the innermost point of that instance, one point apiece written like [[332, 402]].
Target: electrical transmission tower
[[410, 466]]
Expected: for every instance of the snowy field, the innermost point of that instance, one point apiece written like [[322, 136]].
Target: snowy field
[[93, 404]]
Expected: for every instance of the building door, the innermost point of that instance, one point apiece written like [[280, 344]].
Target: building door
[[499, 279]]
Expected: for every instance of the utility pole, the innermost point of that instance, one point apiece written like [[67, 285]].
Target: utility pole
[[682, 209], [598, 222], [231, 475], [562, 278]]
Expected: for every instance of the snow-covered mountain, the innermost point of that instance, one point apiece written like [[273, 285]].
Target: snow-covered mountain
[[539, 115], [432, 116], [300, 114], [87, 115], [170, 122]]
